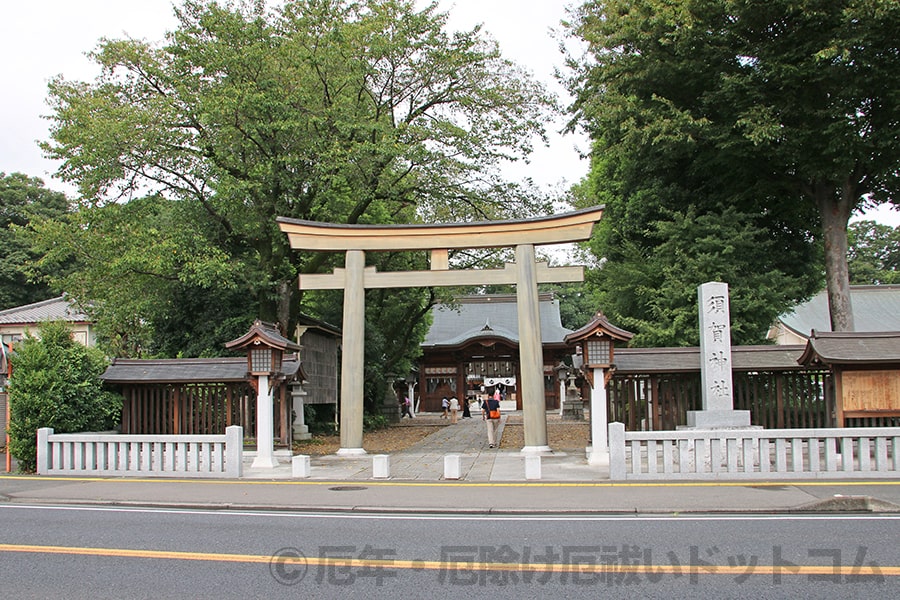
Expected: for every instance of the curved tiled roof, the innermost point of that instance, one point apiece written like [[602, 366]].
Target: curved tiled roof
[[849, 347], [494, 316]]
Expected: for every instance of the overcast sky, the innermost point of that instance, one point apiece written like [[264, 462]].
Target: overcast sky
[[40, 39]]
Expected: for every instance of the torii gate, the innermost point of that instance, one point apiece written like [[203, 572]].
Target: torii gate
[[526, 274]]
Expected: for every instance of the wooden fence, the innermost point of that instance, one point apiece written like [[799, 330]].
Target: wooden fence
[[192, 409], [776, 399]]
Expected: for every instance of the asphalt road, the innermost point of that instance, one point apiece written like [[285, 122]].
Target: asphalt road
[[108, 552]]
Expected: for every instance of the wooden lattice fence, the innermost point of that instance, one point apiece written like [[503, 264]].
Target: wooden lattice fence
[[206, 408], [792, 399]]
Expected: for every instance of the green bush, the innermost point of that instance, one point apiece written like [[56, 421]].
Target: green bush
[[374, 422], [55, 383]]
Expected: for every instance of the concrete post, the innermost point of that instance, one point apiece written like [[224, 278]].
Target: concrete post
[[381, 466], [599, 420], [451, 466], [265, 427], [353, 357], [617, 451], [532, 466], [234, 452], [531, 360], [300, 466], [43, 450]]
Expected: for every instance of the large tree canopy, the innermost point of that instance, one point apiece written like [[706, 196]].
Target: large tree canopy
[[329, 110], [341, 111], [770, 122], [23, 199]]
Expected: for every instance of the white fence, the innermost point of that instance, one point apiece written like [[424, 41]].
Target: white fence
[[141, 455], [754, 453]]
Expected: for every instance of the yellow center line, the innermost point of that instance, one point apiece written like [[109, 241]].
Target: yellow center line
[[461, 565]]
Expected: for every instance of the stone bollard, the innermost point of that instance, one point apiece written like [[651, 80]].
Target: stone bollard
[[451, 466], [381, 466], [300, 466], [532, 466]]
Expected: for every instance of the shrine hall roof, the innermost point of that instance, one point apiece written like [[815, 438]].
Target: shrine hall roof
[[494, 316]]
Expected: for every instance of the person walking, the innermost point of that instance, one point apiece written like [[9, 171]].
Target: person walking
[[404, 407], [465, 406], [454, 409], [491, 416], [445, 406]]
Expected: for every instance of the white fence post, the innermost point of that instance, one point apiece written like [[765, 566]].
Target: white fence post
[[234, 451], [755, 454], [43, 450], [617, 451]]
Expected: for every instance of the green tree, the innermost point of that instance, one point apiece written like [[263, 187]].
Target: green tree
[[327, 110], [23, 198], [874, 256], [56, 383], [786, 110]]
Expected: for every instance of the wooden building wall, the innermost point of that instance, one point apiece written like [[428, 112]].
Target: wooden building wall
[[320, 364]]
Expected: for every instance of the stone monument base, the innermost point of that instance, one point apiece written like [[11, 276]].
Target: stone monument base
[[573, 410], [718, 419], [301, 432]]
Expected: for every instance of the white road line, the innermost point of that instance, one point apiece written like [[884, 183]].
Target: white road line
[[469, 517]]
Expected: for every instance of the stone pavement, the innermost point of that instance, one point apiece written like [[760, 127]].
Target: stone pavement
[[424, 461]]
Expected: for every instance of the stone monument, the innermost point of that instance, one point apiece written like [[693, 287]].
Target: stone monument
[[715, 362]]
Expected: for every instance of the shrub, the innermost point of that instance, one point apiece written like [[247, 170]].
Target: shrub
[[55, 383], [374, 422]]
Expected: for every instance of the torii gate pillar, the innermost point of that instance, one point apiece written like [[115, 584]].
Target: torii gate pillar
[[531, 353], [353, 355]]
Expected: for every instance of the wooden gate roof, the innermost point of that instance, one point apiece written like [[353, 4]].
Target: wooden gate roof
[[852, 347], [189, 370], [681, 360]]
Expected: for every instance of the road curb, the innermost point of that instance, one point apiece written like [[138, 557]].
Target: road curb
[[841, 503], [846, 504]]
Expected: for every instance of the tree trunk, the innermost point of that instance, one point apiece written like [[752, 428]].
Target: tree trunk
[[283, 307], [834, 209]]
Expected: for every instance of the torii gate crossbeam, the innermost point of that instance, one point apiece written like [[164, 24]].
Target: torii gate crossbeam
[[526, 274]]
